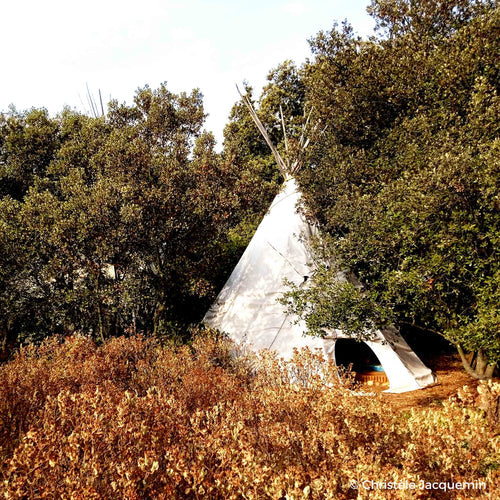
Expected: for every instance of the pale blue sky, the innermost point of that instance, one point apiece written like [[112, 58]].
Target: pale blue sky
[[52, 49]]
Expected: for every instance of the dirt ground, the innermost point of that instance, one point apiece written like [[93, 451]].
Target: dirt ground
[[450, 378]]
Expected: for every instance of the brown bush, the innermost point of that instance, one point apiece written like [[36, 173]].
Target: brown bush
[[133, 419]]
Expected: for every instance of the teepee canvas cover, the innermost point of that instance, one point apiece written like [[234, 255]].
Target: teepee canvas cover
[[248, 310]]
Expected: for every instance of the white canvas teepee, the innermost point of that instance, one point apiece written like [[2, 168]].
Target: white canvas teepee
[[247, 308]]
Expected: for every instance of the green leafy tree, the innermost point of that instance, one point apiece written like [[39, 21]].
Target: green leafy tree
[[406, 178], [28, 142], [128, 225]]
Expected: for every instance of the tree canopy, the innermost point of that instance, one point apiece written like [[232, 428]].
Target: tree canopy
[[406, 178], [119, 223]]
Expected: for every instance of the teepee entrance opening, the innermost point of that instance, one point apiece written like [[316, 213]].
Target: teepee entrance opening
[[363, 361]]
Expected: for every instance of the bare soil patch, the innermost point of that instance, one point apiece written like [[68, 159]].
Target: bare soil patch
[[450, 378]]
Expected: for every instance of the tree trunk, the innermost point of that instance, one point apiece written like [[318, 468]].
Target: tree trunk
[[99, 309], [5, 339], [478, 367], [99, 317], [3, 347], [158, 317], [489, 401]]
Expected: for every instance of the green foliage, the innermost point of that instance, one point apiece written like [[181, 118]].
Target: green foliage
[[406, 177], [28, 142], [354, 313], [116, 223]]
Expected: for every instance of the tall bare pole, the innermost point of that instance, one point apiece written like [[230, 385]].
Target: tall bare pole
[[100, 99], [281, 164]]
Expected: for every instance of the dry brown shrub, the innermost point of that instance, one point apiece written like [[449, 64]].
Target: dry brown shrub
[[133, 419]]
